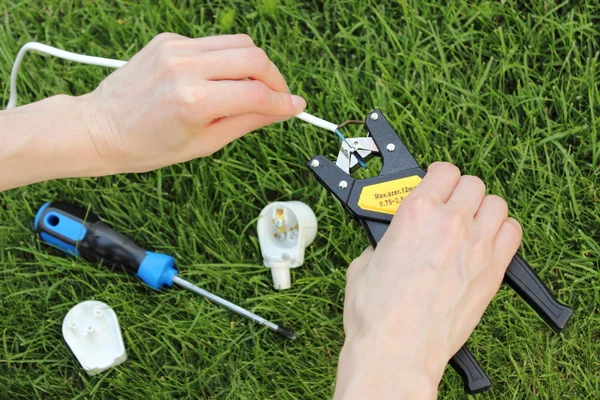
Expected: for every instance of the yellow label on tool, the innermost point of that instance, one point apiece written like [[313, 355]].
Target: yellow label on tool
[[385, 197]]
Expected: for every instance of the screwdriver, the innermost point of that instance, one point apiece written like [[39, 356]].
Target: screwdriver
[[75, 231]]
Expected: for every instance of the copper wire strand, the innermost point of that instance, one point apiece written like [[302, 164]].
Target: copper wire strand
[[350, 121]]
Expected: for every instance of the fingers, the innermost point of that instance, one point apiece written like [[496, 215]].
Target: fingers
[[507, 242], [181, 45], [491, 214], [165, 37], [222, 42], [440, 181], [225, 131], [484, 287], [241, 63], [244, 97], [480, 293], [468, 194], [248, 81]]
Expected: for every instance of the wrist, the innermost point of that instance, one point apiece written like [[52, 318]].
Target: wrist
[[371, 367], [46, 140], [100, 133]]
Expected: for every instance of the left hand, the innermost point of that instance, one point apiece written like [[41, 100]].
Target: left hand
[[176, 100], [181, 98]]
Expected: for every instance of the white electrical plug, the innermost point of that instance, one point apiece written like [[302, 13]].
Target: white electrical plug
[[285, 229], [92, 331]]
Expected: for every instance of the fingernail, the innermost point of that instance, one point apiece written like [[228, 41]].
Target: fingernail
[[299, 102]]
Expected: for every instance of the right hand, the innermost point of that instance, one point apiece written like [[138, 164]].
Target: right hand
[[179, 99], [414, 301]]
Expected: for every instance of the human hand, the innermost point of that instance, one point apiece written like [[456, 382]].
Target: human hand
[[414, 301], [179, 99]]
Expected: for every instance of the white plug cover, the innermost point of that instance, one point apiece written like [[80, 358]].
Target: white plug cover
[[92, 331], [285, 229]]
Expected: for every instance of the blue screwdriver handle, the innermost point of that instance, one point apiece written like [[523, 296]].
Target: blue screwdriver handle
[[75, 231]]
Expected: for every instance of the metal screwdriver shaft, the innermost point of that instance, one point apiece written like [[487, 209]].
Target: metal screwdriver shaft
[[75, 231], [233, 307]]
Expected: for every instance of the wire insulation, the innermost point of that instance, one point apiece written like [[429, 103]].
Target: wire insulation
[[67, 55], [350, 121], [321, 123]]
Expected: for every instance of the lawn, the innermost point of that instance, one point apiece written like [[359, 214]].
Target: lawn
[[507, 90]]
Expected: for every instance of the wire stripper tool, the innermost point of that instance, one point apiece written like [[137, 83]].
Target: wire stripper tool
[[373, 202]]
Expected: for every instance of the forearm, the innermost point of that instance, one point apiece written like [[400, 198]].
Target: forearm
[[47, 140], [371, 369]]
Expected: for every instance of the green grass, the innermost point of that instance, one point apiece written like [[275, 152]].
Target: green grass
[[507, 90]]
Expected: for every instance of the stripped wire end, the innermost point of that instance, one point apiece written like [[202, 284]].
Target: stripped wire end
[[360, 160], [339, 134], [354, 153]]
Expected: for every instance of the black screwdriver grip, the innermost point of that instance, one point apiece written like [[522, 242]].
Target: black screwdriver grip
[[523, 280], [75, 231]]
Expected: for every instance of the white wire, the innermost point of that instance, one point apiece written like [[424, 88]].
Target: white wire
[[67, 55], [107, 62], [321, 123]]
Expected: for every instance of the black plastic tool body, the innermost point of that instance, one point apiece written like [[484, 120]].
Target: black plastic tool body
[[399, 163]]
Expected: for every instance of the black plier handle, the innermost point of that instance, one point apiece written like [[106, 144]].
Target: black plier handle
[[373, 202]]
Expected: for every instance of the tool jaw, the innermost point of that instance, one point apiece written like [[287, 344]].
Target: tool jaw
[[332, 177], [393, 152], [381, 140], [398, 163], [364, 146]]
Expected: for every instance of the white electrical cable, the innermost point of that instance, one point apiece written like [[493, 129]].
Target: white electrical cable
[[107, 62], [67, 55], [321, 123]]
